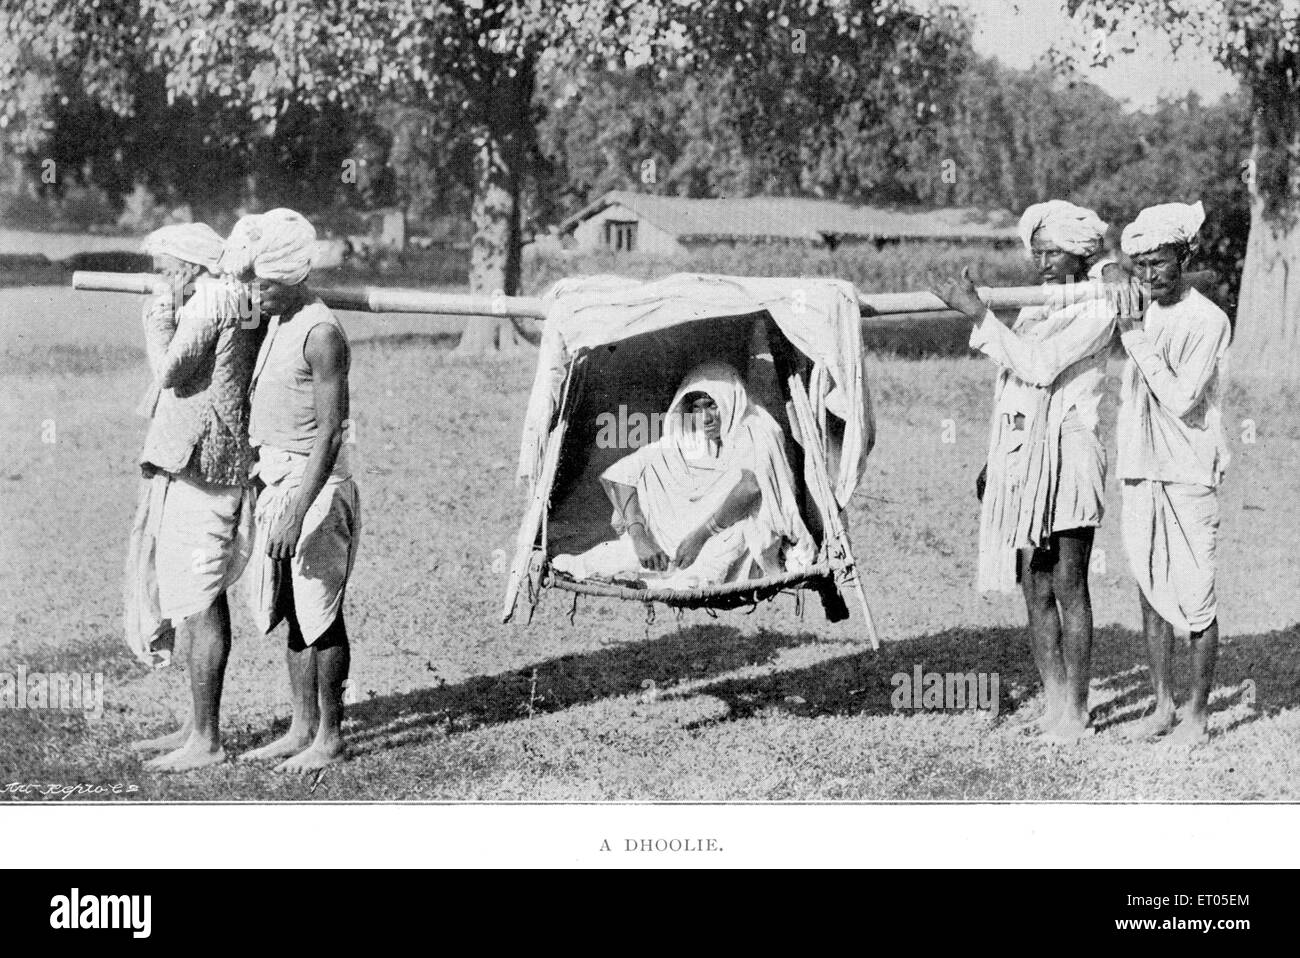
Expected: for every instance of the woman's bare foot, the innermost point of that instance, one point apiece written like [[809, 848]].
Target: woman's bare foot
[[290, 743], [191, 755]]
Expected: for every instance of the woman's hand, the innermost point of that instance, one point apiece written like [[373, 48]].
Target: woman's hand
[[961, 295], [648, 552], [690, 547]]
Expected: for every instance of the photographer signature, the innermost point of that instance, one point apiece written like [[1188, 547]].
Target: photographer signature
[[68, 790]]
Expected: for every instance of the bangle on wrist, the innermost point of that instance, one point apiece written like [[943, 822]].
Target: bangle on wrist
[[713, 526]]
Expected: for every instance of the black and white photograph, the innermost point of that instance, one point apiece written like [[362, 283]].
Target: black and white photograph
[[630, 403]]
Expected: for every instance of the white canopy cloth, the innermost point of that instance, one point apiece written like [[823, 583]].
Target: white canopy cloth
[[820, 317]]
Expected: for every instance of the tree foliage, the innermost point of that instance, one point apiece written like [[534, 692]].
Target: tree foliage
[[1016, 136], [1256, 40], [490, 107], [1259, 42], [789, 98]]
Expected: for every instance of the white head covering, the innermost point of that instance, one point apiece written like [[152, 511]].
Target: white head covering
[[681, 480], [192, 242], [1074, 229], [1168, 223], [276, 245], [723, 385]]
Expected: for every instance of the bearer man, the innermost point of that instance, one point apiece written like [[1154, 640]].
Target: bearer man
[[1046, 467], [194, 521], [1172, 457], [308, 512]]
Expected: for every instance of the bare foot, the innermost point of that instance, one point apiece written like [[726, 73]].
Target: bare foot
[[188, 757], [163, 743], [316, 757], [1025, 715], [1036, 716], [290, 743], [1152, 727], [1066, 731], [1189, 733]]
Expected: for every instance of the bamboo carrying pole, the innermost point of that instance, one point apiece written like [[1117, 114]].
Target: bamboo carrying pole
[[365, 299], [380, 299]]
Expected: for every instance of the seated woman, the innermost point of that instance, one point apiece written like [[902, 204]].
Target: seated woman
[[706, 502]]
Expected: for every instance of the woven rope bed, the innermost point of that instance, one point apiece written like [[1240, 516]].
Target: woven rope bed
[[731, 595]]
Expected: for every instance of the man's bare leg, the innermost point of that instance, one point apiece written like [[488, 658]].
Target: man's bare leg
[[301, 662], [1191, 728], [332, 655], [306, 713], [172, 740], [209, 634], [1044, 633], [1070, 584], [1160, 656]]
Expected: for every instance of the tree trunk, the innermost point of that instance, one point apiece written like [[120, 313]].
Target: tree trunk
[[495, 254], [1267, 335], [499, 159]]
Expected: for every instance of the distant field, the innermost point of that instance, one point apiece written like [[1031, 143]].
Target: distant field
[[62, 245], [765, 706]]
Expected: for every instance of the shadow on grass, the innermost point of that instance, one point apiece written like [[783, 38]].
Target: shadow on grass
[[693, 653], [1253, 670], [1121, 692], [858, 683]]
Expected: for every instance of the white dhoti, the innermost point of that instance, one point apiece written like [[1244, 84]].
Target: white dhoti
[[326, 549], [189, 543], [1170, 530]]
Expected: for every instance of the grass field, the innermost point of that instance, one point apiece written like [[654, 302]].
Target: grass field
[[760, 706]]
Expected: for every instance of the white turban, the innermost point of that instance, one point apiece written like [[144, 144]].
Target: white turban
[[1072, 228], [1168, 223], [276, 245], [192, 242]]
